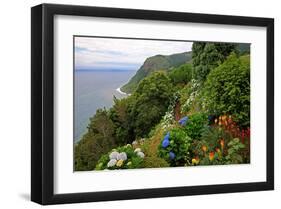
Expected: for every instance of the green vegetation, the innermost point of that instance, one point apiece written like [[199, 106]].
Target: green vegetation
[[181, 74], [97, 141], [227, 89], [207, 56], [175, 147], [121, 158], [181, 112], [152, 95], [196, 125]]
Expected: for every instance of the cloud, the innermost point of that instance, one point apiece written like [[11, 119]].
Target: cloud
[[113, 53]]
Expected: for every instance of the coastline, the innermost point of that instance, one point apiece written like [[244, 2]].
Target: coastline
[[121, 92]]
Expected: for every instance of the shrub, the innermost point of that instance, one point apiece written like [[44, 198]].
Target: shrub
[[152, 98], [120, 114], [125, 157], [196, 124], [181, 74], [175, 147], [227, 89], [217, 147], [234, 152]]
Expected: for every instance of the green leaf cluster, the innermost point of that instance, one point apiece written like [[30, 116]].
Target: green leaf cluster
[[181, 75], [207, 56], [196, 125], [227, 89]]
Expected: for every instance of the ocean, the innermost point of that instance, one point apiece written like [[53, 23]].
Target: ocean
[[94, 89]]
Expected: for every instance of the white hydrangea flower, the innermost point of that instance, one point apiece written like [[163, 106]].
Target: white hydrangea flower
[[137, 150], [128, 145], [140, 154], [113, 155], [122, 156], [134, 143], [112, 163]]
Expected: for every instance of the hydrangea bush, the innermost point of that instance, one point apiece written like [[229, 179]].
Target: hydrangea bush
[[175, 147], [121, 158]]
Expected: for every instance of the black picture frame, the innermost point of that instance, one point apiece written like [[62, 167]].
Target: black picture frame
[[42, 103]]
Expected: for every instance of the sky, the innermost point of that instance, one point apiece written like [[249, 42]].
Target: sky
[[93, 53]]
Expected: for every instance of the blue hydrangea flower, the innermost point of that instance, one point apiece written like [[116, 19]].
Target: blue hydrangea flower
[[183, 121], [172, 155], [165, 143], [167, 136]]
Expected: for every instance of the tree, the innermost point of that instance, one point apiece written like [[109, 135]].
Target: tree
[[97, 141], [120, 114], [181, 74], [207, 56], [152, 98], [227, 89]]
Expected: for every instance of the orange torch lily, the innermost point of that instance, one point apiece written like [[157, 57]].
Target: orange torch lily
[[211, 156]]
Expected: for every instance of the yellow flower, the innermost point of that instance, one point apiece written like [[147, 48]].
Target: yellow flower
[[195, 161], [119, 163]]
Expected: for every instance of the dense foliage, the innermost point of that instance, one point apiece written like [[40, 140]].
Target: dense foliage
[[227, 89], [207, 56], [181, 75], [97, 141], [175, 147], [196, 125], [152, 99]]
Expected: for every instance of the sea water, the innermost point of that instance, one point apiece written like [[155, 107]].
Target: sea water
[[94, 89]]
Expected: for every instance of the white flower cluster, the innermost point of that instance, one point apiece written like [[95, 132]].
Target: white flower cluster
[[139, 152], [112, 163], [135, 143], [115, 157], [168, 120], [194, 93]]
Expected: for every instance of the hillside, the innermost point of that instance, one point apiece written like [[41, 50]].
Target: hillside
[[156, 63]]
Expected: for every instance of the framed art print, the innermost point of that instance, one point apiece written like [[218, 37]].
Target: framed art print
[[130, 104]]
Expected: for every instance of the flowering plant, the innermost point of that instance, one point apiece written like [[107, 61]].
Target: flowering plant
[[175, 147], [218, 146], [121, 158]]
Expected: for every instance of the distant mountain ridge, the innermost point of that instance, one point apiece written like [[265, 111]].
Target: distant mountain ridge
[[156, 63]]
